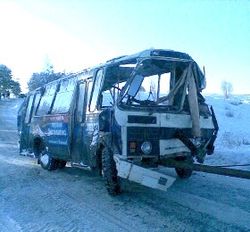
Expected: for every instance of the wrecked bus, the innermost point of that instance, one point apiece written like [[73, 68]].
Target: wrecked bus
[[124, 118]]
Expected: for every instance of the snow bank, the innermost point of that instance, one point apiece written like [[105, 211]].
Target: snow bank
[[233, 115]]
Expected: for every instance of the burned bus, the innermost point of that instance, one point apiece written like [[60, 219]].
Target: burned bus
[[124, 119]]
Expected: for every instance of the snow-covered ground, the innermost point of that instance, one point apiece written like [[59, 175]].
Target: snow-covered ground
[[233, 142], [32, 199]]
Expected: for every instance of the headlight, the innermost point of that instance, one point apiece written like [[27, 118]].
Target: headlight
[[146, 148]]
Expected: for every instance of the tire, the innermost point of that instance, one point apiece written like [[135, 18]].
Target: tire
[[110, 172], [61, 164], [37, 154], [47, 162], [37, 148], [97, 169], [185, 173]]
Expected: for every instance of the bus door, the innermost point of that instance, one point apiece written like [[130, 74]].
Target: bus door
[[79, 149], [25, 125], [33, 101]]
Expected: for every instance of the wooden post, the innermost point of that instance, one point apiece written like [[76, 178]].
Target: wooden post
[[193, 104]]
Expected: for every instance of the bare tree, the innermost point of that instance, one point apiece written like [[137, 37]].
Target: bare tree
[[227, 89]]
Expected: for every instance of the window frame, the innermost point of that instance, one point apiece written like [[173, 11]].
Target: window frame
[[35, 106], [45, 94], [54, 111], [94, 86], [29, 108], [80, 117]]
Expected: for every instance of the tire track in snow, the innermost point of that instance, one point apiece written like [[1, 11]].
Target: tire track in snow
[[67, 206], [222, 212], [87, 205], [8, 224], [8, 131], [71, 199]]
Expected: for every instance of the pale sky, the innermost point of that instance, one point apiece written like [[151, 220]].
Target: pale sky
[[77, 34]]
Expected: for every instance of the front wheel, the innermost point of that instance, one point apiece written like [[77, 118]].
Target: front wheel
[[47, 162], [61, 164], [185, 173], [110, 172]]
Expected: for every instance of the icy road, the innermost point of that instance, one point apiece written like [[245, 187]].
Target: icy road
[[32, 199]]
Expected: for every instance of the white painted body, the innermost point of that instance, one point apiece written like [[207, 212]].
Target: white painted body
[[168, 147], [143, 176]]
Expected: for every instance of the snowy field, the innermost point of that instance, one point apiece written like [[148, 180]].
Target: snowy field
[[32, 199], [233, 142]]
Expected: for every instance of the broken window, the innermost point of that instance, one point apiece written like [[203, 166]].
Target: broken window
[[151, 83], [109, 97], [154, 87], [96, 90]]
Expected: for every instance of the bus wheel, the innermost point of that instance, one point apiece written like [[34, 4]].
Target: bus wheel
[[110, 172], [61, 164], [47, 162], [185, 173]]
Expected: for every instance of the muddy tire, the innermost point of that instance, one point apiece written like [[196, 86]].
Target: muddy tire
[[110, 172], [37, 154], [185, 173], [47, 162], [61, 164], [38, 147], [97, 169]]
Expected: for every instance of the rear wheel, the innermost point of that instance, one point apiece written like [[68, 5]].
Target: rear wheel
[[47, 162], [110, 172], [184, 173]]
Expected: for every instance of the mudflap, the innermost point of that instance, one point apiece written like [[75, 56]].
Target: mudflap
[[143, 176]]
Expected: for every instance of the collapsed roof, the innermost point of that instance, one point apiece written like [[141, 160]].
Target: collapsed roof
[[120, 69]]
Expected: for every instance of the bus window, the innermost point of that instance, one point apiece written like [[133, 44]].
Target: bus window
[[36, 102], [96, 90], [80, 102], [90, 85], [46, 100], [109, 96], [28, 111], [107, 99], [64, 97]]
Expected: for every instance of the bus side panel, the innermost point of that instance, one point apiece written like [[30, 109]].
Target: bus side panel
[[55, 133]]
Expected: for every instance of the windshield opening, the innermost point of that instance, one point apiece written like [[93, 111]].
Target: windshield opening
[[109, 96], [156, 82], [150, 82], [153, 88]]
